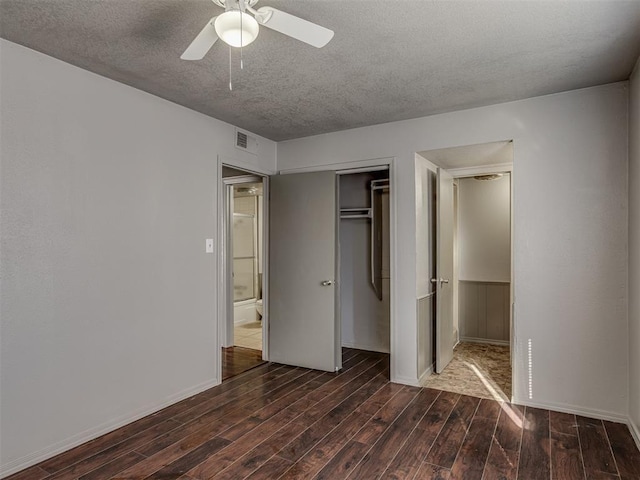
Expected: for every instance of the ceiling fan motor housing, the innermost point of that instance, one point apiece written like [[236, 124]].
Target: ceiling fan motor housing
[[238, 26]]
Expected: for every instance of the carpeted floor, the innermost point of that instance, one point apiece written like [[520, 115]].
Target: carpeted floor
[[478, 370]]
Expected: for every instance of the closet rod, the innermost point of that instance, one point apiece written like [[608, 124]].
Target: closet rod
[[355, 213], [349, 171], [376, 221]]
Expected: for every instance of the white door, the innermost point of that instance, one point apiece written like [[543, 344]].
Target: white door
[[444, 271], [302, 271]]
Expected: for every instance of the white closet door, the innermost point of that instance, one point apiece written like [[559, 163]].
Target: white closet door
[[302, 270]]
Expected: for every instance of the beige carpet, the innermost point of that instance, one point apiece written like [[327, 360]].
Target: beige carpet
[[478, 370]]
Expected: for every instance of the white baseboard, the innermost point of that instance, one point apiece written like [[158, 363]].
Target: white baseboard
[[245, 321], [412, 382], [426, 374], [585, 412], [635, 432], [75, 440], [589, 412], [368, 348], [504, 343]]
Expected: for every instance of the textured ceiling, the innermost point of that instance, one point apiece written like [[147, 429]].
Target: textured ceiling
[[468, 156], [389, 60]]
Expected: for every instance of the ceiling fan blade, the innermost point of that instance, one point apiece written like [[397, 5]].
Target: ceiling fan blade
[[202, 43], [293, 26]]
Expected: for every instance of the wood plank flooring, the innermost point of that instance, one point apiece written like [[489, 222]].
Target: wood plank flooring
[[236, 360], [276, 421]]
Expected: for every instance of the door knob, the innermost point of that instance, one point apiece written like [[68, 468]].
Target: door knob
[[442, 281], [327, 283]]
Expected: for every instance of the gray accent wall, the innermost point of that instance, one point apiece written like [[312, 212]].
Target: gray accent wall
[[108, 299]]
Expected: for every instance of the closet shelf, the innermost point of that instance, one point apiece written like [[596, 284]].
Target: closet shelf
[[382, 184], [348, 213]]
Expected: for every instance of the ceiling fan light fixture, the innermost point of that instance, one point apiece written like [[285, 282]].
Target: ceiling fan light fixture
[[236, 28]]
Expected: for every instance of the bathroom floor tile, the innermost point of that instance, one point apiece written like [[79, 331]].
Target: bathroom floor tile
[[248, 335]]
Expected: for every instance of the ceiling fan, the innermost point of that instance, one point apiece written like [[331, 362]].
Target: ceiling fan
[[237, 28]]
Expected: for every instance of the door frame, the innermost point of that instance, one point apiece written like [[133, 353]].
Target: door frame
[[374, 164], [223, 295], [228, 207]]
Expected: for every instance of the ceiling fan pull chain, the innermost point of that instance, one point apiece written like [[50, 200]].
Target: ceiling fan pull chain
[[230, 83]]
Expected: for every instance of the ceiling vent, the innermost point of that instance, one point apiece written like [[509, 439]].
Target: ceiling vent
[[246, 142]]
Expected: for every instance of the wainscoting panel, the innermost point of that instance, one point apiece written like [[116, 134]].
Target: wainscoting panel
[[484, 311], [424, 310]]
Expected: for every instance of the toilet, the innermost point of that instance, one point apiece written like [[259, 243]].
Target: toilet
[[259, 308]]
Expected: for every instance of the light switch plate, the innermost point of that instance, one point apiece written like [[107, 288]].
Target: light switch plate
[[209, 245]]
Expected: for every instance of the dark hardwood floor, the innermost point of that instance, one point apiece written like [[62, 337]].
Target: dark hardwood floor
[[276, 421], [237, 360]]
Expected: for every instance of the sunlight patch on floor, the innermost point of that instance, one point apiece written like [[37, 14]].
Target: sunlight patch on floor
[[476, 369]]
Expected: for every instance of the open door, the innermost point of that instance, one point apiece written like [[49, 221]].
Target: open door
[[444, 271], [302, 271]]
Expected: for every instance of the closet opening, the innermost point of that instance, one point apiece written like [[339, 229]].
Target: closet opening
[[330, 290], [364, 263]]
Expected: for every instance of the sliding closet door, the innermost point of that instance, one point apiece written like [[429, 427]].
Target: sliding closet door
[[302, 270]]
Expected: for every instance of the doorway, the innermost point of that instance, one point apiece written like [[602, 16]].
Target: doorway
[[244, 337], [474, 297], [308, 296], [364, 257]]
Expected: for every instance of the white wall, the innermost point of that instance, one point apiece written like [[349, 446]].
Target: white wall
[[108, 299], [570, 203], [634, 250], [484, 229]]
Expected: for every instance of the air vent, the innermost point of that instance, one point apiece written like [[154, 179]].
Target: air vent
[[241, 140], [246, 142]]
